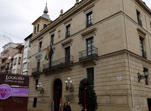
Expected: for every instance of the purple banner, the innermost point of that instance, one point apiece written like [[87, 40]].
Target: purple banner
[[6, 91], [19, 92]]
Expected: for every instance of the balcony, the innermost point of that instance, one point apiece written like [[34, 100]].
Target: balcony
[[36, 71], [88, 55], [62, 63]]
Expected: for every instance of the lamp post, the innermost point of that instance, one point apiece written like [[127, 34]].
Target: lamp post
[[69, 86], [141, 76], [40, 88]]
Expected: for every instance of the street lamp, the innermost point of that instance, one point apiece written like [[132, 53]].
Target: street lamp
[[69, 86], [40, 88], [141, 76]]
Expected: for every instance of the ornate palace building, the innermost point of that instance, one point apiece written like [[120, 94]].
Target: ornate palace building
[[106, 41]]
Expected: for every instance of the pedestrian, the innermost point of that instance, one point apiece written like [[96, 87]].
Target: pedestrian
[[66, 107]]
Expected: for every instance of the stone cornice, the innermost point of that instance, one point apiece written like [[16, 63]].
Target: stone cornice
[[144, 6], [125, 51]]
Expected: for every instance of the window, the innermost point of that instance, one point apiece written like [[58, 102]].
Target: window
[[89, 44], [38, 28], [139, 18], [40, 46], [38, 66], [146, 75], [35, 103], [44, 26], [142, 47], [68, 30], [34, 30], [15, 60], [36, 83], [90, 75], [52, 39], [89, 18], [19, 60], [67, 54]]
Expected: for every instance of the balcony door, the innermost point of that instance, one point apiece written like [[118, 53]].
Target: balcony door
[[67, 54], [89, 45], [38, 65]]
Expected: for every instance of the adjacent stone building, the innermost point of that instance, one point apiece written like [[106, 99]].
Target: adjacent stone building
[[107, 41]]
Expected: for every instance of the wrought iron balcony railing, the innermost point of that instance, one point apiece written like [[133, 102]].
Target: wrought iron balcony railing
[[60, 63], [36, 71], [89, 53]]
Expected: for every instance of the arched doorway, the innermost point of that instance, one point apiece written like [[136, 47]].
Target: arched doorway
[[57, 93]]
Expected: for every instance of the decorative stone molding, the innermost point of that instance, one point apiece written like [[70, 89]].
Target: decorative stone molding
[[67, 43]]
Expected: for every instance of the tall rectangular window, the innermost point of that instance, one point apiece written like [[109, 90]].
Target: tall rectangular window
[[52, 39], [67, 54], [19, 60], [35, 103], [15, 60], [139, 18], [40, 46], [90, 45], [68, 30], [34, 30], [38, 66], [37, 27], [89, 19], [142, 47], [146, 75], [90, 74], [36, 83], [45, 25]]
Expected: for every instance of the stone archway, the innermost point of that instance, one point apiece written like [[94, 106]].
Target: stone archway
[[57, 93]]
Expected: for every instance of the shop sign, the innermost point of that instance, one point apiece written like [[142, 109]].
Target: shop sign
[[6, 91]]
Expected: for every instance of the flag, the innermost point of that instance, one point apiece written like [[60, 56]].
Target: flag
[[47, 53], [51, 50]]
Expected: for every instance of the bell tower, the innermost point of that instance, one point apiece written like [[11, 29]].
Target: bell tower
[[42, 21]]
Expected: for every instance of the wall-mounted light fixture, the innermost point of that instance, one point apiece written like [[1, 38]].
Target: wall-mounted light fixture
[[69, 86], [40, 88], [141, 76]]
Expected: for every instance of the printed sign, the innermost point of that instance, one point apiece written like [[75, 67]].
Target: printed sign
[[5, 91], [19, 92], [12, 79]]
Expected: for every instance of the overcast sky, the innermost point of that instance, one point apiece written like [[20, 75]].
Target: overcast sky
[[16, 16]]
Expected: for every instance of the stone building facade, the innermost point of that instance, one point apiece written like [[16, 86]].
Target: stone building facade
[[103, 40]]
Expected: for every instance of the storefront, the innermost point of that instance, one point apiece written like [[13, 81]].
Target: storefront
[[13, 92]]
